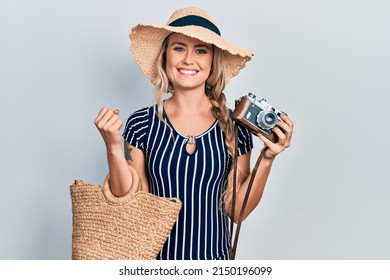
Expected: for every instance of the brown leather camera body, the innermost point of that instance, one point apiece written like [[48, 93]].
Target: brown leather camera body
[[239, 114]]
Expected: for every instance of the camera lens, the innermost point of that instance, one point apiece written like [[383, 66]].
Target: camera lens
[[267, 119]]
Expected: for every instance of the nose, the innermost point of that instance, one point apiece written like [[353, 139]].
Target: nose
[[188, 58]]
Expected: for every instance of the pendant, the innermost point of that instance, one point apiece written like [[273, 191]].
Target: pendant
[[191, 140]]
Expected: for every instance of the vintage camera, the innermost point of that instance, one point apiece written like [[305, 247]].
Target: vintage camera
[[257, 115]]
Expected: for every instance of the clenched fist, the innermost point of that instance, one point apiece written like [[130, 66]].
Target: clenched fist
[[109, 125]]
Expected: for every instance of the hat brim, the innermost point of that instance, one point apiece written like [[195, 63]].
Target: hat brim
[[146, 42]]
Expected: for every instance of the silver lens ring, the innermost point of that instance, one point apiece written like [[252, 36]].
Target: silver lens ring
[[267, 119]]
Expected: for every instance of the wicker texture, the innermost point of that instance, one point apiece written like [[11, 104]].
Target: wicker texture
[[106, 227]]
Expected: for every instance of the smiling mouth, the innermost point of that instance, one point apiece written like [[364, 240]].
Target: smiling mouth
[[187, 71]]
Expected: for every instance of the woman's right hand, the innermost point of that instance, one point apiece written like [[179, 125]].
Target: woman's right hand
[[109, 124]]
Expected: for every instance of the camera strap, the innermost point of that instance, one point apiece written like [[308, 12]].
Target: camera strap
[[233, 247]]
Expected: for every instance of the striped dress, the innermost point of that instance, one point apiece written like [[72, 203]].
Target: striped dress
[[198, 179]]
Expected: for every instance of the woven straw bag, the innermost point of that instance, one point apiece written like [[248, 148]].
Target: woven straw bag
[[106, 227]]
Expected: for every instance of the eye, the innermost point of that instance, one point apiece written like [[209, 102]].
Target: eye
[[201, 51], [178, 49]]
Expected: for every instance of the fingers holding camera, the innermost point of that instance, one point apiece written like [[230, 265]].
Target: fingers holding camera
[[109, 124], [287, 127], [282, 138]]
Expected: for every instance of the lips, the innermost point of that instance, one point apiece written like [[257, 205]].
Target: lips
[[187, 71]]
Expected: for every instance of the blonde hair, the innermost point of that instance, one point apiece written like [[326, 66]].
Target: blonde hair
[[215, 85]]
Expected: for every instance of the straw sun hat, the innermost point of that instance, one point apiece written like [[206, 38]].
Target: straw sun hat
[[147, 39]]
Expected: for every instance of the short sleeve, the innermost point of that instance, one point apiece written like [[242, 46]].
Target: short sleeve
[[245, 140], [136, 129]]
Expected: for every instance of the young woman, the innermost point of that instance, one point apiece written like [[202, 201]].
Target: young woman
[[183, 145]]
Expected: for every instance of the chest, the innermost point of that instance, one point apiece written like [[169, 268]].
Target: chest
[[191, 125], [170, 163]]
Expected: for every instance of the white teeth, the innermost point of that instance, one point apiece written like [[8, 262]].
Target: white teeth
[[187, 72]]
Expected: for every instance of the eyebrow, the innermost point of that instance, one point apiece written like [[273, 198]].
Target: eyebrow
[[185, 45]]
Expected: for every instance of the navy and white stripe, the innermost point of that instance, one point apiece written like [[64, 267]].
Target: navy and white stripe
[[198, 180]]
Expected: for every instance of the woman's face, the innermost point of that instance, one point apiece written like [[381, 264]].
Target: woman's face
[[188, 62]]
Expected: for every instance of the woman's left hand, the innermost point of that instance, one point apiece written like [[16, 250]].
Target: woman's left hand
[[284, 131]]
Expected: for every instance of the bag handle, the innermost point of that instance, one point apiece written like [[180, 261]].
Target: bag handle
[[135, 187], [233, 247]]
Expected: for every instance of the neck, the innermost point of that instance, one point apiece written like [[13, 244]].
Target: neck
[[190, 101]]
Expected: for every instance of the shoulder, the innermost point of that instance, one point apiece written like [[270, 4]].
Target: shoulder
[[137, 126], [139, 118], [141, 115]]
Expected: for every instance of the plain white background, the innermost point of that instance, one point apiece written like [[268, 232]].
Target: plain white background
[[326, 63]]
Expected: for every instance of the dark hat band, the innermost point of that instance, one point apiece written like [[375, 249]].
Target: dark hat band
[[195, 20]]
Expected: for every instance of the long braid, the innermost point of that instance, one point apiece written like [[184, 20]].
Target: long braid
[[214, 90], [221, 112]]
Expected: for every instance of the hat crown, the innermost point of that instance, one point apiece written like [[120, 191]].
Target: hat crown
[[192, 11]]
